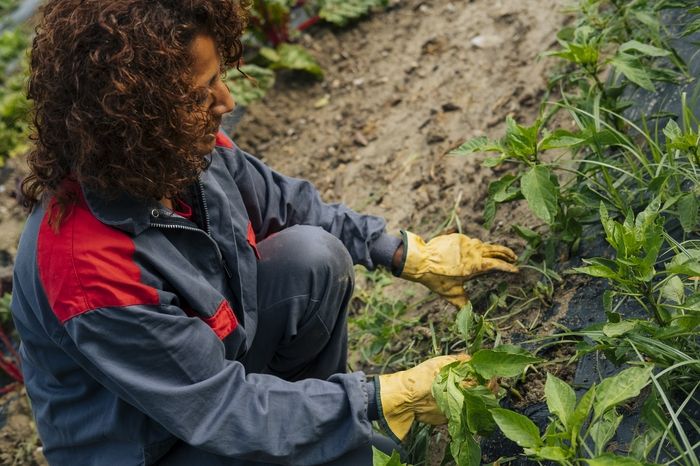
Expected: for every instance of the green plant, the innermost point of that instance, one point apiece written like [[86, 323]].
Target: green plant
[[341, 12], [378, 320], [382, 459], [291, 57], [250, 84], [604, 168], [578, 433], [14, 106], [9, 359], [466, 392], [536, 182]]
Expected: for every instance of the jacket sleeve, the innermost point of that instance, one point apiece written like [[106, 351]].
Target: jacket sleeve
[[172, 368], [275, 202]]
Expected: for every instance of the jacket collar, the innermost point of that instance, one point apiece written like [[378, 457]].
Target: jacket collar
[[124, 212]]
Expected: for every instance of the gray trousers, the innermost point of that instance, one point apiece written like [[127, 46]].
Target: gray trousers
[[305, 282]]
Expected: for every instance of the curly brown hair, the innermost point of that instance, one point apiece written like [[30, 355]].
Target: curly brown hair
[[113, 98]]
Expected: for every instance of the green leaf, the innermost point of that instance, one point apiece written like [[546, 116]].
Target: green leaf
[[672, 131], [688, 212], [517, 428], [495, 363], [632, 68], [600, 271], [531, 236], [618, 329], [477, 403], [560, 139], [581, 413], [466, 451], [501, 191], [643, 444], [645, 49], [685, 263], [477, 144], [613, 460], [270, 54], [674, 290], [619, 388], [521, 141], [341, 12], [382, 459], [603, 430], [465, 321], [247, 90], [292, 57], [541, 193], [553, 453], [561, 398]]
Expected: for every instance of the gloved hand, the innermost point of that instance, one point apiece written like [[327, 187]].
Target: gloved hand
[[446, 262], [407, 395]]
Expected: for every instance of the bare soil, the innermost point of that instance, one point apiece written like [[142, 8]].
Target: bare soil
[[402, 89]]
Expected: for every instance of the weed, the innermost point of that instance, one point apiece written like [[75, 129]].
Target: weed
[[374, 326]]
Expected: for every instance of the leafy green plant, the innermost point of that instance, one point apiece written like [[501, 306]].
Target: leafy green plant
[[14, 106], [578, 432], [379, 318], [466, 392], [291, 57], [9, 359], [537, 182], [382, 459], [638, 182], [341, 12], [250, 84]]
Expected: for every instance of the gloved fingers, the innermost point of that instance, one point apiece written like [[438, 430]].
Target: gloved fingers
[[458, 300], [489, 265], [432, 418], [497, 251]]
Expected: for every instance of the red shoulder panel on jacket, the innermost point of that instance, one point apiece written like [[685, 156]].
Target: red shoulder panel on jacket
[[88, 265], [223, 141]]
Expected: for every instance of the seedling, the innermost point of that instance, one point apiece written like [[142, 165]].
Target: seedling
[[578, 433]]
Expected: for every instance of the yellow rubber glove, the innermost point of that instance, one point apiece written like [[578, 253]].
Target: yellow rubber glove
[[407, 395], [444, 263]]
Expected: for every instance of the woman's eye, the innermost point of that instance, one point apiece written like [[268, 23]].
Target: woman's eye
[[201, 95]]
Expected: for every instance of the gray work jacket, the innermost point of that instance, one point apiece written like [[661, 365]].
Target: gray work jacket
[[132, 319]]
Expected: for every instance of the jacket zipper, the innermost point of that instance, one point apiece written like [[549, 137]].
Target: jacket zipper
[[207, 233], [205, 208]]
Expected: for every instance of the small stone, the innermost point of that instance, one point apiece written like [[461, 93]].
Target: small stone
[[359, 82], [335, 84], [412, 67], [435, 138], [451, 7], [485, 41], [360, 139], [323, 101], [450, 107], [291, 132]]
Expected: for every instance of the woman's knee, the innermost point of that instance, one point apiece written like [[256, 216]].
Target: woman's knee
[[304, 247]]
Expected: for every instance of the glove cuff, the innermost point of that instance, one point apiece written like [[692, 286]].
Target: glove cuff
[[398, 270], [414, 263], [395, 427]]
